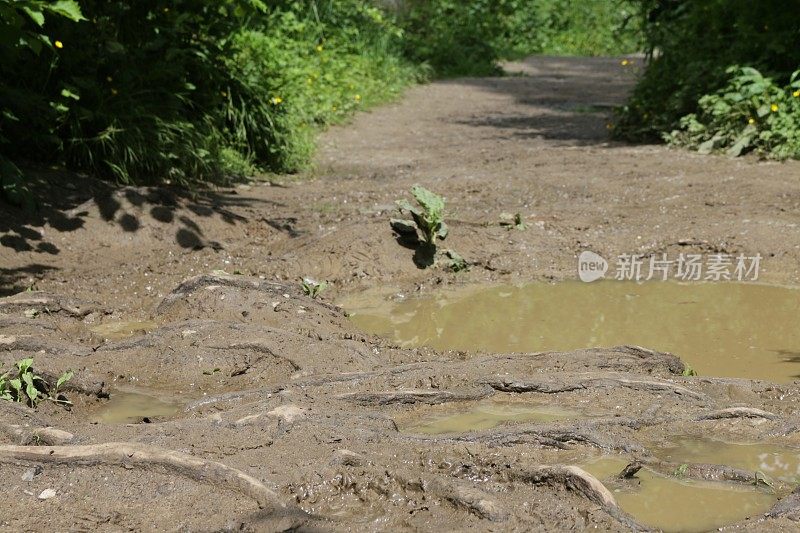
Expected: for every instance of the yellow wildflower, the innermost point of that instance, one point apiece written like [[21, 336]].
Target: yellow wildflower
[[319, 48], [114, 91], [59, 44], [276, 100], [751, 120], [796, 94], [625, 63], [223, 93], [773, 107], [357, 98], [334, 108], [109, 79]]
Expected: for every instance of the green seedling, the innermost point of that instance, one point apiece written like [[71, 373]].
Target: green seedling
[[688, 371], [312, 287], [512, 221], [429, 216], [457, 263], [28, 387], [681, 470]]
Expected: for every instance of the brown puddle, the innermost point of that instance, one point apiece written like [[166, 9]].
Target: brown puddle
[[485, 414], [778, 462], [674, 504], [720, 329], [125, 407], [117, 331]]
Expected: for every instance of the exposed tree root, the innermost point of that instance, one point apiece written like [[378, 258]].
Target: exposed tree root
[[581, 482], [738, 412], [26, 343], [129, 454], [591, 381], [45, 302], [471, 499], [551, 436], [410, 396]]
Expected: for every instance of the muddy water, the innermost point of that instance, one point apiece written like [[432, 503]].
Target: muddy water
[[674, 504], [778, 462], [481, 415], [720, 329], [128, 407], [115, 331]]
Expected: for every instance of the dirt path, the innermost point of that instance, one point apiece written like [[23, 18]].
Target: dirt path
[[304, 408]]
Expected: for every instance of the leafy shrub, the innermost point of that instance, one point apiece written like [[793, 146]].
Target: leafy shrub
[[692, 43], [468, 37], [586, 28], [186, 91], [750, 113]]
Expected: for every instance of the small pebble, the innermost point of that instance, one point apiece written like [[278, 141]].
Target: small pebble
[[46, 494]]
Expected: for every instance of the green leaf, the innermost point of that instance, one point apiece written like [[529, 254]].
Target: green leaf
[[36, 15], [430, 201], [16, 386], [24, 365], [30, 388], [66, 93], [67, 8], [66, 376]]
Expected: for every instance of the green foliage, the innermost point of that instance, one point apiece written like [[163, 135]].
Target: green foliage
[[586, 28], [751, 113], [312, 287], [429, 216], [187, 91], [26, 386], [468, 37], [692, 44]]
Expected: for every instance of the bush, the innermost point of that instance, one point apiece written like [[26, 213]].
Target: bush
[[467, 37], [692, 44], [192, 91], [750, 113]]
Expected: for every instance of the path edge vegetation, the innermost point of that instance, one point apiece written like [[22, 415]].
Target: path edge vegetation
[[206, 92], [190, 93]]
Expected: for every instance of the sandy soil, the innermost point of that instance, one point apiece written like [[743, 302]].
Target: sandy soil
[[291, 412]]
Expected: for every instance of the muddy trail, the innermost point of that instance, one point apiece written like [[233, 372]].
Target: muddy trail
[[211, 393]]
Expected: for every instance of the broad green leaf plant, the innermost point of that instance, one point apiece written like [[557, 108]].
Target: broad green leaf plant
[[26, 386], [429, 216]]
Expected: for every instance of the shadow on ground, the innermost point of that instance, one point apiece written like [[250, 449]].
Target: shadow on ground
[[570, 101], [65, 201]]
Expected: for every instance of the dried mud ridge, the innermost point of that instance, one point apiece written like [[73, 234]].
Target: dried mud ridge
[[298, 426]]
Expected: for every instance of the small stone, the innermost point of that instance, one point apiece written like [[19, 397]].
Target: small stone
[[46, 494], [31, 473]]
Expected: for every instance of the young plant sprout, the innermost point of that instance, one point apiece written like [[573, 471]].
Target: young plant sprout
[[429, 216], [312, 287]]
